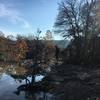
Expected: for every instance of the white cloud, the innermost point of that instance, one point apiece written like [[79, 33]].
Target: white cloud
[[13, 15]]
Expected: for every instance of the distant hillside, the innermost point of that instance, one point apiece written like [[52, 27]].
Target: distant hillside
[[61, 43]]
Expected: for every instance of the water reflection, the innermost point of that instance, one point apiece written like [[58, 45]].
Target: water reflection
[[34, 91], [7, 86], [20, 87]]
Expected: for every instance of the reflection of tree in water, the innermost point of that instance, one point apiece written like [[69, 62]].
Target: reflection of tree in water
[[34, 91], [38, 95], [0, 75], [74, 88]]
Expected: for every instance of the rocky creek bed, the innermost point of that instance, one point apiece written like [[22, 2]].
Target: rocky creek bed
[[77, 82]]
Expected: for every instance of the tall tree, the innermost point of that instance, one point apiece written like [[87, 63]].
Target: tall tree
[[48, 35], [74, 18]]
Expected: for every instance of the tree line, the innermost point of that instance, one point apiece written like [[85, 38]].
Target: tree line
[[40, 51]]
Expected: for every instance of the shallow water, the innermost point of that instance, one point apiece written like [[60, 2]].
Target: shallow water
[[13, 86], [9, 85]]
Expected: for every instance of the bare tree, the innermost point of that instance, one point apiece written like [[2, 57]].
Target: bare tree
[[74, 18]]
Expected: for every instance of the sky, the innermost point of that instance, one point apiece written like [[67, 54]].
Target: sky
[[25, 16]]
